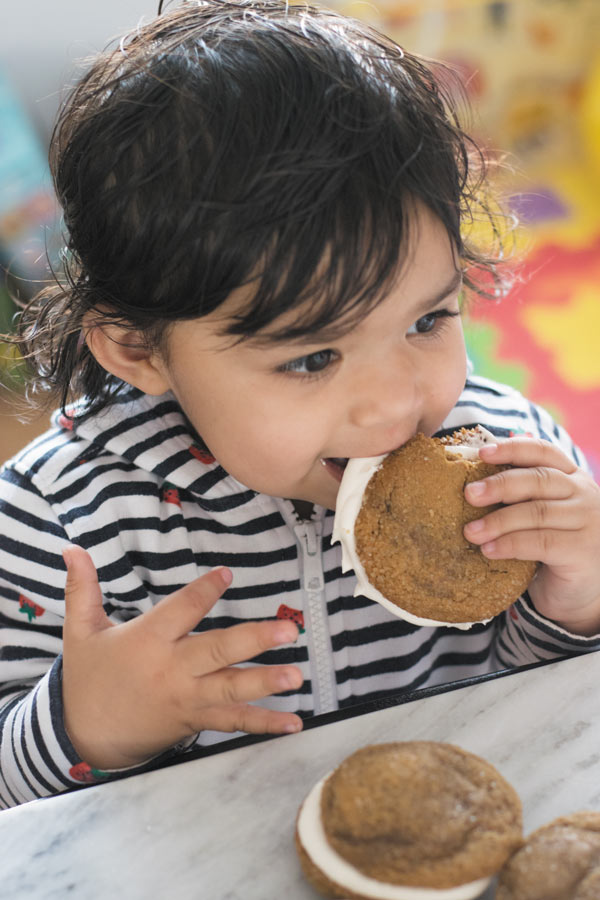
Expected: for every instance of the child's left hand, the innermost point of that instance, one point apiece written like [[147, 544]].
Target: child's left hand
[[552, 514]]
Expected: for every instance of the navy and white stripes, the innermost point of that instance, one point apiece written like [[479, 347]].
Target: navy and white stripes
[[155, 511]]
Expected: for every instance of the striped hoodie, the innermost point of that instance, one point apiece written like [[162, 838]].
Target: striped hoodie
[[155, 511]]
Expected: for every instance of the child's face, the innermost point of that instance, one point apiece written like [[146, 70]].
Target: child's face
[[277, 415]]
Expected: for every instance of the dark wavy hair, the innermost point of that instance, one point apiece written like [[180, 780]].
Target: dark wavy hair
[[236, 142]]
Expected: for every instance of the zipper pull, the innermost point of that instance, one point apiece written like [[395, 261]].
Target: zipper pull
[[309, 534], [310, 540]]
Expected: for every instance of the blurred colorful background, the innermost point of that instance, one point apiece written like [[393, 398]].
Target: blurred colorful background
[[532, 73]]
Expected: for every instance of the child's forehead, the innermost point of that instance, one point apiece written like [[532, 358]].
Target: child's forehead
[[287, 329], [427, 272], [293, 328], [295, 325]]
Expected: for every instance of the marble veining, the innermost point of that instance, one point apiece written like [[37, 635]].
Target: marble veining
[[221, 828]]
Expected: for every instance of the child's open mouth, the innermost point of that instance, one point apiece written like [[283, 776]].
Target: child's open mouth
[[335, 465]]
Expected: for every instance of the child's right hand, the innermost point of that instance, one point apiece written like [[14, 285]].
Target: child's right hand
[[133, 690]]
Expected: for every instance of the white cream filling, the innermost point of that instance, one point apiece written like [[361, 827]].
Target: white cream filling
[[357, 475], [472, 441], [314, 841]]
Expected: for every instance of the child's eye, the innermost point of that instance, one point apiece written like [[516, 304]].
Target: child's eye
[[427, 324], [312, 364]]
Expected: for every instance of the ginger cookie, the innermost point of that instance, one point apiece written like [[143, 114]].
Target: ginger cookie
[[559, 861], [400, 816], [400, 520]]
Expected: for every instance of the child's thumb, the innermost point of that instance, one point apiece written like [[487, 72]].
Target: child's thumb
[[84, 613]]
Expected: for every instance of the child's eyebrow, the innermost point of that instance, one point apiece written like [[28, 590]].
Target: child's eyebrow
[[328, 334], [337, 330], [453, 285]]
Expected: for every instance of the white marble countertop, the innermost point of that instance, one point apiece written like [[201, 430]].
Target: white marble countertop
[[221, 828]]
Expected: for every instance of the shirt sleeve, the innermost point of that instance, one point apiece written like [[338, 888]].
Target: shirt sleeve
[[524, 636], [37, 758]]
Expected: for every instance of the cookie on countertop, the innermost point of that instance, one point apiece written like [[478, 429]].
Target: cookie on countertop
[[559, 861], [397, 817]]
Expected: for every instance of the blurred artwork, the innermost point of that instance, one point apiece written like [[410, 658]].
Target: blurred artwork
[[28, 212], [531, 69], [544, 338], [523, 62]]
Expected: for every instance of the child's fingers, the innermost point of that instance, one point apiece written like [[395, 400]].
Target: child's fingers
[[536, 515], [527, 452], [234, 686], [180, 612], [201, 654], [251, 719], [517, 485], [549, 546], [84, 613]]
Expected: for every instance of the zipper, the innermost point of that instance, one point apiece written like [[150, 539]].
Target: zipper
[[308, 535]]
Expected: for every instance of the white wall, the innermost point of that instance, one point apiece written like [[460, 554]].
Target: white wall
[[40, 41]]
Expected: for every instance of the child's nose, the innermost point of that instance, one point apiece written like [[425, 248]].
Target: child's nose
[[385, 397]]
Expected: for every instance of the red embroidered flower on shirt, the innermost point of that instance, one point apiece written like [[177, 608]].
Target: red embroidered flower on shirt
[[29, 608], [203, 455], [517, 432], [295, 615], [86, 774], [170, 494]]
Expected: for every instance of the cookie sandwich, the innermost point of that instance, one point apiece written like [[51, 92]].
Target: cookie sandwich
[[414, 820], [400, 520], [559, 861]]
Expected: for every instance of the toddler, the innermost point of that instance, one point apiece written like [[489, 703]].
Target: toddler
[[265, 207]]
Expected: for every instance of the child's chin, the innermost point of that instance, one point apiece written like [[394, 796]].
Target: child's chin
[[328, 501], [325, 496]]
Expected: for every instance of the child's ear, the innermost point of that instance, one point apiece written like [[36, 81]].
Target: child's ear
[[122, 352]]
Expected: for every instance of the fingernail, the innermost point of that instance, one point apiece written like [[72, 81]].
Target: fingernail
[[66, 555], [224, 574], [293, 727], [476, 488], [489, 548], [474, 527], [488, 450], [286, 633]]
